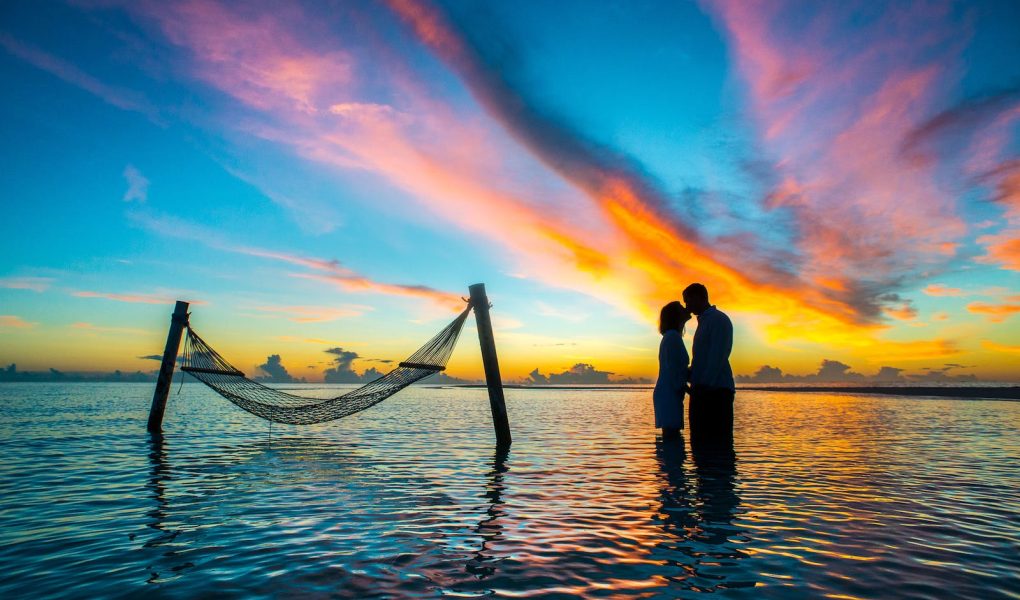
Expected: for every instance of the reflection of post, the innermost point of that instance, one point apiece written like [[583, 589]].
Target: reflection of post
[[489, 528], [157, 474], [166, 371], [480, 303]]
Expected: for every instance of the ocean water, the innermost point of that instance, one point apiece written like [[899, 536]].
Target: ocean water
[[822, 495]]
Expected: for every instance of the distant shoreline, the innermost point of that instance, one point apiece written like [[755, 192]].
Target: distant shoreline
[[972, 392], [975, 392], [992, 393]]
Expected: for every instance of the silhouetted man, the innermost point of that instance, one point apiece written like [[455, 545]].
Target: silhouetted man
[[712, 389]]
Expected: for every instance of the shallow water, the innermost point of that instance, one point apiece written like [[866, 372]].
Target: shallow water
[[822, 495]]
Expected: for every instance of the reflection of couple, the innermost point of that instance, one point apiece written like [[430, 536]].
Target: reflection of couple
[[709, 375]]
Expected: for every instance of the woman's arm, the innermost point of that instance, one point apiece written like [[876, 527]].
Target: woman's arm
[[676, 357]]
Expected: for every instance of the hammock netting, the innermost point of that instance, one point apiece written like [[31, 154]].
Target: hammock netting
[[202, 362]]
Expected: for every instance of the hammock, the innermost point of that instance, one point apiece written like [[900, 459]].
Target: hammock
[[206, 365]]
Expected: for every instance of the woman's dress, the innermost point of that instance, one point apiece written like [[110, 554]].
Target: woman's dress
[[668, 397]]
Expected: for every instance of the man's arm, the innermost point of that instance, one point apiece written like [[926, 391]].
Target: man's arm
[[718, 348]]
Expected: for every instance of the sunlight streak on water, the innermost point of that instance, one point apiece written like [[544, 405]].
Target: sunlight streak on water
[[822, 494]]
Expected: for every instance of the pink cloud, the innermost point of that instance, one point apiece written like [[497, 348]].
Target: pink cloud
[[363, 284], [833, 100], [15, 322], [35, 284], [266, 59], [329, 271]]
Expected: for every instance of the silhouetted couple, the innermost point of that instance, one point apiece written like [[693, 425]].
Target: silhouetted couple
[[709, 375]]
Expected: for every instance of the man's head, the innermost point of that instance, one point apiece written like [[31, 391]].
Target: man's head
[[696, 298]]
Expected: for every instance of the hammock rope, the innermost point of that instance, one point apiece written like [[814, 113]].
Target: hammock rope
[[204, 363]]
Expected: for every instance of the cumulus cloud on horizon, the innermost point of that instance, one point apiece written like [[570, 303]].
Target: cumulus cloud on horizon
[[834, 371], [274, 371]]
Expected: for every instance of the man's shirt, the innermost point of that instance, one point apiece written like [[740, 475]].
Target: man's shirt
[[713, 341]]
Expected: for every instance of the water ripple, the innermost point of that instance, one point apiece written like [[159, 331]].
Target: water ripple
[[833, 495]]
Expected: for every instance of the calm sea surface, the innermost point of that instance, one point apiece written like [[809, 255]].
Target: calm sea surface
[[832, 495]]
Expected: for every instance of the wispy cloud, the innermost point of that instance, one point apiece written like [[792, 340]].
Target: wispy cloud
[[938, 289], [119, 97], [15, 322], [138, 185], [997, 347], [851, 251], [358, 283], [547, 310], [292, 338], [868, 217], [92, 328], [132, 298], [35, 284], [1003, 248], [316, 314], [996, 312], [330, 271]]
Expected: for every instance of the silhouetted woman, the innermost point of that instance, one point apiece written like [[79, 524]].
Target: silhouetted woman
[[668, 397]]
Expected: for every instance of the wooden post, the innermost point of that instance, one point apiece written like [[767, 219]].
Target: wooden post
[[166, 370], [480, 303]]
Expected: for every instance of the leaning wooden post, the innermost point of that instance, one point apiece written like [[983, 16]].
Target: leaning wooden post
[[166, 371], [480, 303]]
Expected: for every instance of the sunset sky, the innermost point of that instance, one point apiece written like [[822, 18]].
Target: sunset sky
[[844, 177]]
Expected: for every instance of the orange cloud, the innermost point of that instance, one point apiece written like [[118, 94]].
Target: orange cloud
[[903, 312], [997, 347], [996, 312], [1002, 249], [938, 289]]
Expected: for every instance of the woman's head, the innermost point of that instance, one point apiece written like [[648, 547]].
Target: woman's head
[[673, 316]]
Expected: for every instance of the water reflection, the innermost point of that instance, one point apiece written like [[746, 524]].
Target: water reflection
[[715, 463], [159, 471], [159, 514], [698, 510], [489, 529]]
